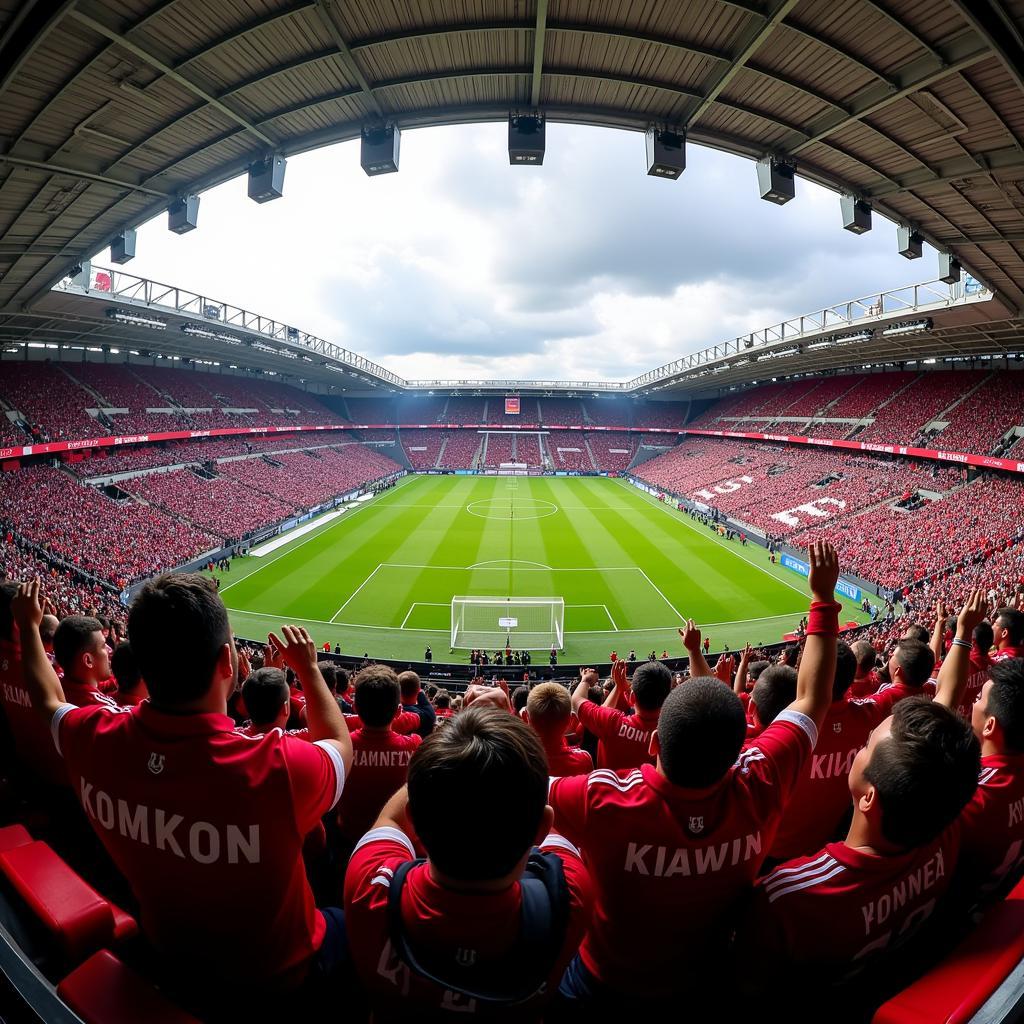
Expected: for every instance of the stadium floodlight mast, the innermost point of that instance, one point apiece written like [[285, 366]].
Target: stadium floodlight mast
[[524, 623]]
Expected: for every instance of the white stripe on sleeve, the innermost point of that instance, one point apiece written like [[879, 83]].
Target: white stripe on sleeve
[[339, 768], [395, 835], [800, 719], [58, 717]]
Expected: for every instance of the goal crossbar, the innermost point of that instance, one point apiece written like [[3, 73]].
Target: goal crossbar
[[525, 623]]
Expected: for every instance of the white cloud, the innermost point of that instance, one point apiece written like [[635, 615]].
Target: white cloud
[[462, 266]]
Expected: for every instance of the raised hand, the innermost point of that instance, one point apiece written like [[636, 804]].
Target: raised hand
[[973, 612], [619, 676], [27, 605], [690, 635], [824, 573], [296, 651]]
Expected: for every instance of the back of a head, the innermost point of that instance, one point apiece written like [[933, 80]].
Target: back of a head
[[774, 692], [74, 635], [377, 695], [477, 792], [846, 670], [700, 732], [265, 693], [1006, 702], [330, 673], [865, 655], [409, 682], [755, 668], [917, 633], [983, 637], [7, 592], [549, 706], [519, 698], [924, 772], [1012, 620], [178, 627], [125, 668], [443, 701], [651, 684], [917, 661]]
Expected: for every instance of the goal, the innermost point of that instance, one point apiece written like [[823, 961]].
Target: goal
[[533, 623]]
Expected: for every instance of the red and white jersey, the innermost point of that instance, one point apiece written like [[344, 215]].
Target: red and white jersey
[[669, 864], [838, 907], [900, 691], [380, 766], [32, 741], [255, 731], [976, 679], [1006, 653], [84, 694], [193, 814], [470, 923], [822, 796], [566, 760], [624, 740], [864, 687], [993, 824]]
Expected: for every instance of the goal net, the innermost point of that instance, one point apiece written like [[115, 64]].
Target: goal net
[[533, 623]]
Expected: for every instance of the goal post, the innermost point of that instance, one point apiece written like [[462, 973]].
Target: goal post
[[525, 623]]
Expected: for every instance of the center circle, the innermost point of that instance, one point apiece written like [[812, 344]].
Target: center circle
[[524, 508]]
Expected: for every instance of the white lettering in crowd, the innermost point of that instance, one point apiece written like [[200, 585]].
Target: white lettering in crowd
[[1016, 813], [702, 860], [816, 509], [726, 487], [877, 912], [15, 694], [200, 841], [381, 758], [831, 766]]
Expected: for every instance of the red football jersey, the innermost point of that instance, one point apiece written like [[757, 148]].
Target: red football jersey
[[194, 814], [864, 687], [976, 679], [380, 766], [822, 796], [566, 760], [471, 923], [993, 824], [839, 906], [669, 864], [624, 740], [32, 741], [1008, 652]]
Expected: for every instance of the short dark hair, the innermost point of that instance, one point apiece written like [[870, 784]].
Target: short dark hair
[[178, 611], [377, 695], [983, 635], [1006, 701], [477, 792], [916, 632], [755, 668], [651, 684], [925, 772], [1013, 621], [7, 593], [74, 635], [443, 699], [846, 669], [409, 682], [916, 659], [700, 732], [124, 667], [865, 654], [774, 692], [265, 692], [519, 697], [330, 673]]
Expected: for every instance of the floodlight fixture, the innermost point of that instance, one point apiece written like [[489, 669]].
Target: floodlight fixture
[[266, 178], [122, 246], [378, 149], [776, 180], [526, 134], [907, 327], [183, 214], [125, 316], [856, 214]]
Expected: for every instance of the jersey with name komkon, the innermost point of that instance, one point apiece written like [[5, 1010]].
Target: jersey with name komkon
[[669, 863], [207, 826]]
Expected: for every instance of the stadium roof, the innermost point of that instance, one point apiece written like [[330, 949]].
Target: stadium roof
[[108, 111]]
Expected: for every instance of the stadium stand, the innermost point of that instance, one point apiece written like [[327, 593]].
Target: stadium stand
[[566, 412], [461, 449], [498, 448], [422, 447]]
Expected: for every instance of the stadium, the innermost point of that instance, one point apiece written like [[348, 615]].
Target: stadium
[[326, 687]]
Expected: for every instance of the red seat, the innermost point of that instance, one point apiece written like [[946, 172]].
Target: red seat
[[12, 836], [78, 918], [954, 990], [103, 990]]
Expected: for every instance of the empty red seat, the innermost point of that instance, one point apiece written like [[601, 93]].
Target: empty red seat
[[78, 918], [104, 990], [954, 990]]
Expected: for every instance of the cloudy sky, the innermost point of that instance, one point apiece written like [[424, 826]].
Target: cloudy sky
[[584, 269]]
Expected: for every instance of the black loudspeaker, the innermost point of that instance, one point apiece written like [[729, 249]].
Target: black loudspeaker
[[775, 181], [266, 179], [908, 242], [526, 139], [378, 151], [122, 246], [666, 153], [856, 214], [183, 215], [949, 268]]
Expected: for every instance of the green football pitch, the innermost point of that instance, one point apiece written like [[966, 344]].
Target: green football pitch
[[379, 579]]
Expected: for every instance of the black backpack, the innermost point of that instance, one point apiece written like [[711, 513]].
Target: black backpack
[[523, 973]]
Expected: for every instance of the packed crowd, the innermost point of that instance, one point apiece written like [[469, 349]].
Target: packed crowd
[[419, 857]]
